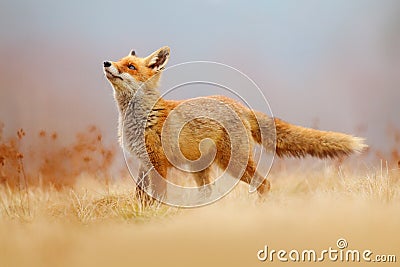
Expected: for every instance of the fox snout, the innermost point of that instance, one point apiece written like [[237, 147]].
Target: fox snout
[[111, 71]]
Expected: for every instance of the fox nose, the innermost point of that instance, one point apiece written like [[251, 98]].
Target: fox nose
[[106, 64]]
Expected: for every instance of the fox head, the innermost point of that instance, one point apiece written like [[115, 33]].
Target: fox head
[[132, 72]]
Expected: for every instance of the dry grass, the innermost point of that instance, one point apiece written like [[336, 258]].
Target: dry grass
[[92, 221], [83, 206], [96, 224]]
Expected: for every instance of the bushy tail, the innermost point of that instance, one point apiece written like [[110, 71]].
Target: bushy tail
[[297, 141]]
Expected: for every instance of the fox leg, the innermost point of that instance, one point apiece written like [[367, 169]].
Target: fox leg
[[143, 184], [202, 179], [158, 177], [248, 174], [150, 180], [251, 173]]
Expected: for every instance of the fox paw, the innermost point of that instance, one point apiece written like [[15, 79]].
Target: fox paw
[[264, 188]]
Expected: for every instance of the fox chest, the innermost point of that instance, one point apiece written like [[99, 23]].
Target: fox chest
[[140, 133]]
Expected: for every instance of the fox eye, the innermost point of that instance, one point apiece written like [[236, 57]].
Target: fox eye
[[131, 67]]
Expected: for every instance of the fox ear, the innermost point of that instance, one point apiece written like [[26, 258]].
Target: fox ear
[[132, 53], [158, 59]]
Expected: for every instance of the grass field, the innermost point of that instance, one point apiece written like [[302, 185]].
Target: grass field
[[88, 220]]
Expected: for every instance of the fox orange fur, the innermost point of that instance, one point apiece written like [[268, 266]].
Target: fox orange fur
[[142, 112]]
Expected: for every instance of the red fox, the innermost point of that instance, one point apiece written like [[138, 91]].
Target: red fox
[[131, 73]]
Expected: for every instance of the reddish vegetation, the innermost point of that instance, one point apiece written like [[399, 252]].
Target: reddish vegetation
[[393, 157], [11, 165], [394, 133], [52, 163]]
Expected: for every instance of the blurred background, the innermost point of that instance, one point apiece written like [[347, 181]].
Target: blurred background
[[333, 65]]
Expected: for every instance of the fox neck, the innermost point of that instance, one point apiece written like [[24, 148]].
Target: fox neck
[[123, 98], [144, 97], [134, 108], [135, 105]]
